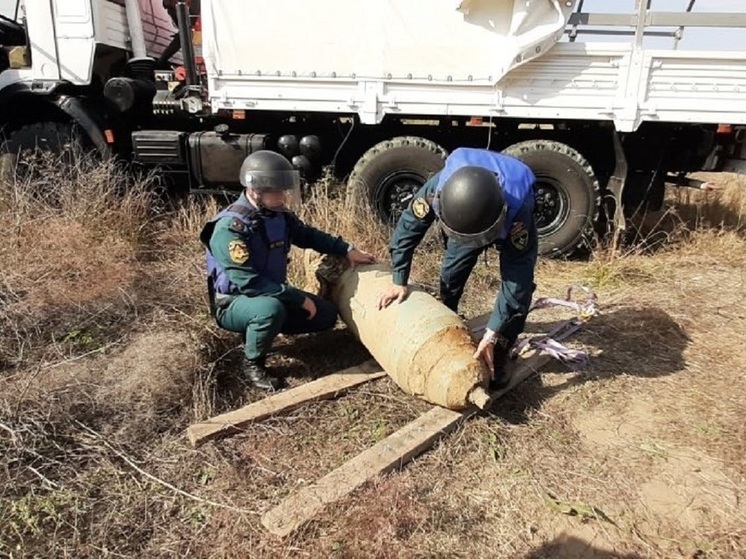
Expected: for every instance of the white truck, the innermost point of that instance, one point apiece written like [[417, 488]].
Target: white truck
[[381, 91]]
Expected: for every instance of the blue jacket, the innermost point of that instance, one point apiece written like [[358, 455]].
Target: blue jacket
[[516, 178], [517, 243]]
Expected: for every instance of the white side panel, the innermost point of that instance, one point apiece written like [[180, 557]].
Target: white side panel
[[605, 82], [573, 81], [572, 78], [75, 40], [435, 40], [41, 32], [694, 87], [110, 23]]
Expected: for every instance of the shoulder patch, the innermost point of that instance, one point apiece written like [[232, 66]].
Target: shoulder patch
[[237, 226], [519, 235], [420, 208], [238, 251]]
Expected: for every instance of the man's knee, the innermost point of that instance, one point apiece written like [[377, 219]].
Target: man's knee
[[264, 313], [268, 310]]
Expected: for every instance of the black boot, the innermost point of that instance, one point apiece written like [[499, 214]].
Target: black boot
[[255, 372], [501, 377]]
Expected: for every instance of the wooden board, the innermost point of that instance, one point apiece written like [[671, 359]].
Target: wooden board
[[392, 452], [523, 368], [319, 389]]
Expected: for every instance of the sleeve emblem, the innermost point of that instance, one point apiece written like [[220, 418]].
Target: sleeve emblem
[[420, 208], [238, 251], [519, 235]]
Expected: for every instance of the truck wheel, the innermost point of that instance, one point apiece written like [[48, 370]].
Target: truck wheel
[[22, 154], [567, 195], [57, 138], [54, 137], [389, 173]]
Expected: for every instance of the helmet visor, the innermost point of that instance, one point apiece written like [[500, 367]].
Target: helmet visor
[[269, 181], [477, 240], [279, 200]]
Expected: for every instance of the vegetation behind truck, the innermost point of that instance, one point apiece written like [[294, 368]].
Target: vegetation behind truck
[[382, 91]]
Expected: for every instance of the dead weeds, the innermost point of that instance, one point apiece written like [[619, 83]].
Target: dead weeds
[[640, 455]]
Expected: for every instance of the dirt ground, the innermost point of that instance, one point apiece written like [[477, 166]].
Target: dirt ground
[[640, 455]]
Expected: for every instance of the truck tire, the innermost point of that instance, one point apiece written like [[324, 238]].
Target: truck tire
[[54, 137], [58, 138], [22, 154], [567, 195], [389, 173]]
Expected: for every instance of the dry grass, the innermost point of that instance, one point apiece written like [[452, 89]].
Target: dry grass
[[69, 258], [100, 378]]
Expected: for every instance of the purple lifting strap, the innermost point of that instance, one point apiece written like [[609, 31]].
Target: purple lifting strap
[[549, 343]]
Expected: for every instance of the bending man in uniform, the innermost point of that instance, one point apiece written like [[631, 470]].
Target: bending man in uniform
[[247, 246], [481, 199]]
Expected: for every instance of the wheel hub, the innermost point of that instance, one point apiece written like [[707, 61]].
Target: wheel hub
[[552, 206], [397, 190]]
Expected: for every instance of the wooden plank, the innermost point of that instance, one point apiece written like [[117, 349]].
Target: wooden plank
[[522, 368], [319, 389], [392, 452]]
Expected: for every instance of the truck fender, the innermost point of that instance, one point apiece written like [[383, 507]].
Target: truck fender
[[88, 117]]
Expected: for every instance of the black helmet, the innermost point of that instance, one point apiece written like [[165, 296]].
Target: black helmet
[[266, 171], [471, 206]]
